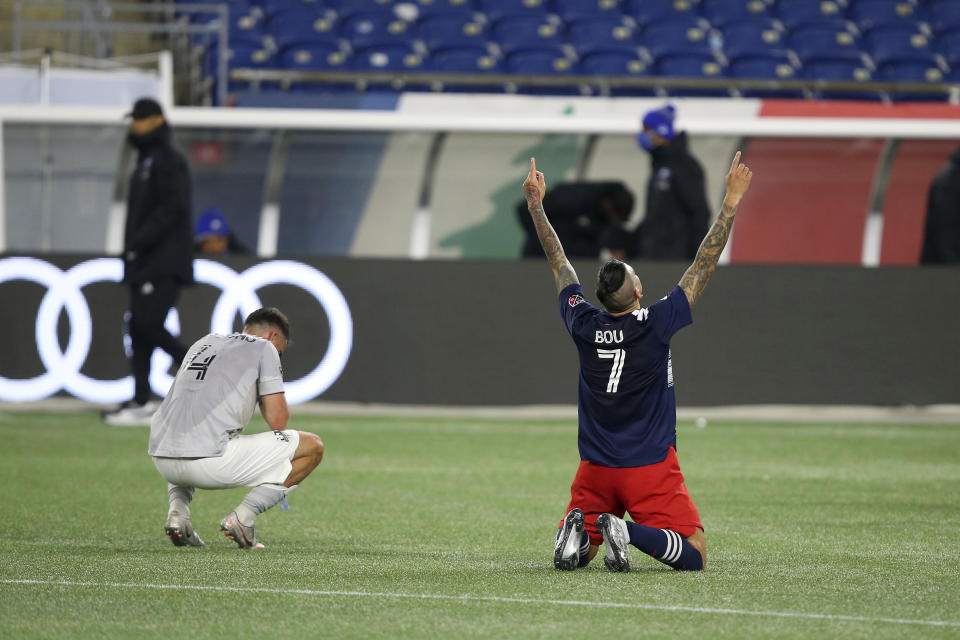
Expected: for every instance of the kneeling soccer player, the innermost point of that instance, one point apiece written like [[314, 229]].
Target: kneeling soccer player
[[195, 436], [627, 434]]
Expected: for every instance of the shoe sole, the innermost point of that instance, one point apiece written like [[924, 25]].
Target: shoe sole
[[235, 534], [620, 562], [573, 522]]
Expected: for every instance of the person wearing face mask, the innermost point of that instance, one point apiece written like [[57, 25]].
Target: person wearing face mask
[[157, 251], [677, 212]]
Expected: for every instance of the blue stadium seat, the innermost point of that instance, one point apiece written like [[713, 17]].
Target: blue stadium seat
[[944, 15], [840, 70], [606, 33], [272, 7], [316, 57], [830, 40], [679, 36], [367, 29], [249, 56], [723, 12], [794, 13], [691, 66], [892, 44], [526, 32], [346, 9], [463, 60], [870, 14], [617, 64], [913, 71], [297, 26], [548, 61], [451, 31], [387, 57], [573, 10], [496, 10], [647, 11], [745, 37], [448, 8], [948, 44], [769, 66]]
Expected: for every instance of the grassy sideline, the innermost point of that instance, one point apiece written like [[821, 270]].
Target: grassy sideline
[[443, 528]]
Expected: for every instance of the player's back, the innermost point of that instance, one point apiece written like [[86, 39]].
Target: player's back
[[214, 395], [626, 398]]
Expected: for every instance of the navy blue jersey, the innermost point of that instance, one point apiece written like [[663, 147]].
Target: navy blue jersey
[[628, 411]]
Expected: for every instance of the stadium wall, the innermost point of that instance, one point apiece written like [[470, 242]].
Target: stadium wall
[[477, 332]]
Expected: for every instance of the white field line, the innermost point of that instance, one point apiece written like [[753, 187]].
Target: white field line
[[475, 598]]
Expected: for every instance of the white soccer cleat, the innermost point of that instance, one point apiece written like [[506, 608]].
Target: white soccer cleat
[[131, 414], [566, 550], [615, 538]]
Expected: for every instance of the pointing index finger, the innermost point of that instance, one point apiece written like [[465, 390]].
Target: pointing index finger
[[736, 162], [533, 166]]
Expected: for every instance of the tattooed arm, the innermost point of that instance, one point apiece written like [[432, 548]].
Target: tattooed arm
[[533, 188], [695, 279]]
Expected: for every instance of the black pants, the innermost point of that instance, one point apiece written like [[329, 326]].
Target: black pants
[[149, 306]]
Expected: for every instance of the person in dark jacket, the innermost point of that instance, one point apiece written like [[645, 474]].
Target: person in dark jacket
[[157, 250], [590, 215], [941, 236], [677, 214]]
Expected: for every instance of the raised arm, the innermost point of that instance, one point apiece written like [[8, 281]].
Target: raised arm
[[695, 279], [533, 189]]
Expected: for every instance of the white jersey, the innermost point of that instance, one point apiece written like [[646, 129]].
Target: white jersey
[[214, 395]]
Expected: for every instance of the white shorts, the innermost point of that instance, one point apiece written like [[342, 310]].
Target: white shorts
[[248, 461]]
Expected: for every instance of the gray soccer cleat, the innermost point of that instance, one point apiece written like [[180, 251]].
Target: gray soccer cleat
[[180, 531], [244, 536], [615, 538], [566, 550], [131, 414]]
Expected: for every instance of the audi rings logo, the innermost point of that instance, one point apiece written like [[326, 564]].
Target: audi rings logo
[[238, 295]]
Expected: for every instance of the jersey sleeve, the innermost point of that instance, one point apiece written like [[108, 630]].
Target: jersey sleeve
[[271, 373], [573, 306], [670, 314]]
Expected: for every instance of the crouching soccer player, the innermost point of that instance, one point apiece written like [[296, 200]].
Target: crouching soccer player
[[627, 433], [195, 436]]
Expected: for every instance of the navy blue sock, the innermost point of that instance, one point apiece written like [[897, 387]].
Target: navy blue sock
[[669, 547]]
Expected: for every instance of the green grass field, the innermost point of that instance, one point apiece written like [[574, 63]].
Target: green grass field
[[444, 528]]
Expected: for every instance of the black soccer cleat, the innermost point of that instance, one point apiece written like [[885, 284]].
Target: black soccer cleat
[[615, 538]]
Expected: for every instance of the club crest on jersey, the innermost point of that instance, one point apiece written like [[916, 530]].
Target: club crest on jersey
[[281, 436], [575, 299]]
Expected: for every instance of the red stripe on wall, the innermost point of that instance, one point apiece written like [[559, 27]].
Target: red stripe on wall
[[856, 109], [905, 204], [808, 200]]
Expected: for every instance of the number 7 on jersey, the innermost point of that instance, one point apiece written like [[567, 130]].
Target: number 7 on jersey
[[618, 356]]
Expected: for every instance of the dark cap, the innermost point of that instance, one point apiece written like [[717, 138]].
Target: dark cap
[[144, 108]]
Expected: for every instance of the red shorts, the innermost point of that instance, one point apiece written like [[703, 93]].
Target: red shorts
[[654, 495]]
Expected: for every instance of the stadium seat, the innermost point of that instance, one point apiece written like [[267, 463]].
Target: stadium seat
[[447, 8], [302, 26], [944, 15], [463, 60], [948, 44], [617, 64], [647, 11], [745, 37], [548, 61], [794, 13], [913, 71], [387, 57], [840, 70], [573, 10], [680, 36], [831, 40], [496, 10], [272, 7], [318, 56], [606, 33], [526, 32], [687, 65], [350, 8], [249, 56], [368, 29], [451, 31], [870, 14], [723, 12], [768, 66], [892, 44]]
